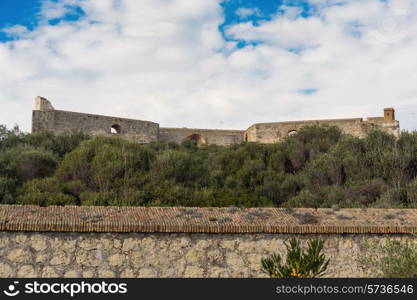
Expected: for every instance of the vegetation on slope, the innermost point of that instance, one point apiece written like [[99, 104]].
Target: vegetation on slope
[[318, 167]]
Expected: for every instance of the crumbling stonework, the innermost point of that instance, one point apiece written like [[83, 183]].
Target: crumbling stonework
[[45, 117], [206, 136], [275, 132]]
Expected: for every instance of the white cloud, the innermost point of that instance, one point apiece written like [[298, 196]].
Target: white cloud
[[53, 10], [166, 61], [245, 12], [15, 31]]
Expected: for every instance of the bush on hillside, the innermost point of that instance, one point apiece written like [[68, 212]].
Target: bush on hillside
[[318, 167]]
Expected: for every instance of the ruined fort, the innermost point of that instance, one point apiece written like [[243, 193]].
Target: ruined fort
[[46, 118]]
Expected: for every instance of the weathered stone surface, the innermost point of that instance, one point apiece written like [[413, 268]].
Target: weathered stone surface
[[147, 273], [21, 238], [5, 270], [254, 260], [87, 244], [170, 255], [104, 273], [217, 272], [42, 258], [88, 273], [116, 260], [26, 271], [148, 244], [228, 244], [19, 255], [49, 272], [61, 121], [136, 258], [72, 274], [87, 258], [45, 117], [235, 261], [69, 245], [60, 258], [193, 256], [117, 244], [39, 243], [215, 257], [129, 244], [4, 240], [193, 272], [202, 244], [56, 243], [106, 242], [127, 273]]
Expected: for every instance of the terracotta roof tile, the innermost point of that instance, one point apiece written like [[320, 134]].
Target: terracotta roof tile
[[206, 220]]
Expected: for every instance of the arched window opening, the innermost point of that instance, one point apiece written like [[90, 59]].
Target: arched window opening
[[198, 139], [116, 129], [292, 132]]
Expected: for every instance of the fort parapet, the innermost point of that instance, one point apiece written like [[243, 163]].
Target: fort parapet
[[46, 118]]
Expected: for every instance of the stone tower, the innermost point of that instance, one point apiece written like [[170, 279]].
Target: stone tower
[[389, 114], [43, 104]]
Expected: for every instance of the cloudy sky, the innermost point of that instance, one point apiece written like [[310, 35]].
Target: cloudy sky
[[210, 63]]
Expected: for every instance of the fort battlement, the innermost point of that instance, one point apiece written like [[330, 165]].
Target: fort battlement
[[46, 118]]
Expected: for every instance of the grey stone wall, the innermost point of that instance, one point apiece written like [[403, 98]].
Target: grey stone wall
[[275, 132], [59, 121], [392, 127], [45, 117], [211, 136], [28, 254]]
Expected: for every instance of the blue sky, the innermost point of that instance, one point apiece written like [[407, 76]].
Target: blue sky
[[19, 12], [27, 12], [209, 63]]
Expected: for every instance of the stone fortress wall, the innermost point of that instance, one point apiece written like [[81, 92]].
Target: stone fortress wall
[[186, 242], [202, 136], [45, 117]]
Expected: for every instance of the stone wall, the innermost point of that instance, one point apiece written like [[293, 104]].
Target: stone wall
[[70, 241], [275, 132], [30, 254], [45, 117], [209, 136], [59, 121], [389, 126]]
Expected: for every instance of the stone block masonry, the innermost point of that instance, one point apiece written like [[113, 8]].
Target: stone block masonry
[[46, 118], [184, 242], [202, 136]]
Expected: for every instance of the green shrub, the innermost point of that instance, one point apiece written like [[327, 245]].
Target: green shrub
[[10, 138], [310, 263], [411, 190], [7, 190], [367, 192], [44, 192], [318, 167], [304, 199], [33, 164]]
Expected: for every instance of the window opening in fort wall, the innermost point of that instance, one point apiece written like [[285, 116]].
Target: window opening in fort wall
[[116, 129]]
